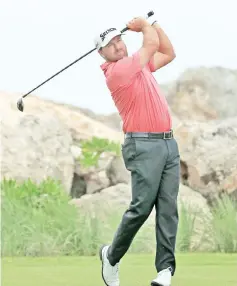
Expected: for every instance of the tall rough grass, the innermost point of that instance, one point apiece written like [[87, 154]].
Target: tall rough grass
[[38, 220], [223, 225], [185, 228]]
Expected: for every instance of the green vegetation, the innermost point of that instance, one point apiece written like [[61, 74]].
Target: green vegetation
[[224, 225], [38, 220], [47, 240], [186, 228], [192, 269], [92, 149]]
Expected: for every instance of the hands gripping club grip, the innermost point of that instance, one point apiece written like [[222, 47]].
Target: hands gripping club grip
[[149, 14]]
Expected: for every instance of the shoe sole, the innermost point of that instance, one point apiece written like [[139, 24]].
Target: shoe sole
[[100, 253], [156, 284]]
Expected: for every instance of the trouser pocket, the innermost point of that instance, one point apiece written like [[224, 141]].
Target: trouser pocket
[[129, 152]]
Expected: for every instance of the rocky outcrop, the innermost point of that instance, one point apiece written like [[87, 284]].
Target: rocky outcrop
[[204, 94], [112, 120], [42, 142], [209, 156], [80, 125], [48, 136], [36, 147], [109, 171], [116, 171]]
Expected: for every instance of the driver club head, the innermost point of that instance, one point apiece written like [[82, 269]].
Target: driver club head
[[20, 104]]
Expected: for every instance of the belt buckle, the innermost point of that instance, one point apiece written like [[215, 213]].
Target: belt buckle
[[169, 133]]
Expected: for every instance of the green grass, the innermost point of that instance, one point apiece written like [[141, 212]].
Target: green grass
[[37, 220], [135, 270], [224, 225], [48, 242]]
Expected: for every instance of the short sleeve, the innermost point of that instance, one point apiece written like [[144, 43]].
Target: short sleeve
[[151, 65], [125, 70]]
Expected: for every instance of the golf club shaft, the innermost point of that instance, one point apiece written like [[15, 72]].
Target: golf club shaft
[[59, 72], [125, 29]]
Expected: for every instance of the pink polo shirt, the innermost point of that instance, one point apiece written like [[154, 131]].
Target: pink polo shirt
[[137, 96]]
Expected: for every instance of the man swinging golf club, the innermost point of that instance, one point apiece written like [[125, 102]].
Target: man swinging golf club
[[150, 151]]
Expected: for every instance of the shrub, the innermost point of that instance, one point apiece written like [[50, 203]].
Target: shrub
[[92, 149]]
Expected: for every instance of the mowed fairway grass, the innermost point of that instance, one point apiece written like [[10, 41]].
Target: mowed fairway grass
[[135, 270]]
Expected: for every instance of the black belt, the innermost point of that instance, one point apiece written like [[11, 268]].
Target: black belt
[[154, 135]]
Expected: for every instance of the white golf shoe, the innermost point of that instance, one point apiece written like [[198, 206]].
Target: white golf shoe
[[163, 278], [109, 272]]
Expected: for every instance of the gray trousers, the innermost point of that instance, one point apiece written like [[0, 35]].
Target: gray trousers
[[155, 169]]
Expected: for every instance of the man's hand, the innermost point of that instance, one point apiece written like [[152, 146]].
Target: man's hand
[[137, 24]]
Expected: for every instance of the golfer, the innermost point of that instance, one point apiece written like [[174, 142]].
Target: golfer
[[149, 150]]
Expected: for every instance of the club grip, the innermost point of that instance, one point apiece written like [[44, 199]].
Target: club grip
[[149, 14]]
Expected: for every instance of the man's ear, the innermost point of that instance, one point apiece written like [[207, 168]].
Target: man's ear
[[101, 53]]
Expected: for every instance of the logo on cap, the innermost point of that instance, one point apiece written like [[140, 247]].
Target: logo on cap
[[103, 35]]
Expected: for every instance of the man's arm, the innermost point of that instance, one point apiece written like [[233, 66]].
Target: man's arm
[[150, 39], [165, 53], [127, 68], [150, 44]]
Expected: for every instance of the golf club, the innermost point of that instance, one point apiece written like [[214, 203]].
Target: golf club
[[20, 103]]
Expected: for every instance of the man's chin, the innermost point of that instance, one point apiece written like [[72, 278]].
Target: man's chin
[[121, 56]]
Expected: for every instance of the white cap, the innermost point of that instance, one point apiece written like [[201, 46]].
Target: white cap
[[104, 38]]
